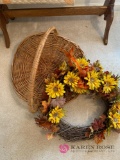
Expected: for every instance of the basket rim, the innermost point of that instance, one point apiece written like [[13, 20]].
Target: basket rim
[[33, 108]]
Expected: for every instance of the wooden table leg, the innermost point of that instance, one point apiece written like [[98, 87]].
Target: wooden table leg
[[109, 15], [3, 23]]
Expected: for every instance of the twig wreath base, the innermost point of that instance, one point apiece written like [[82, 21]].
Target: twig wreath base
[[75, 77], [75, 133]]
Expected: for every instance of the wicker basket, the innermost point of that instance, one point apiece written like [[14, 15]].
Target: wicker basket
[[37, 57]]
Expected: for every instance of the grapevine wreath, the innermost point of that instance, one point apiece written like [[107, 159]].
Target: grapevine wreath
[[78, 76]]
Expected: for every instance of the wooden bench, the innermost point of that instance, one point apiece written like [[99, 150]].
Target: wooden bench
[[107, 9]]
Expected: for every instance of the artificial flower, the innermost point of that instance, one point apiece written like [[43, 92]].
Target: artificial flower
[[115, 108], [55, 89], [98, 138], [81, 84], [109, 83], [118, 107], [63, 66], [114, 120], [97, 66], [98, 124], [80, 90], [59, 101], [71, 79], [93, 80], [56, 114], [50, 136], [81, 87], [82, 62], [45, 107], [80, 76]]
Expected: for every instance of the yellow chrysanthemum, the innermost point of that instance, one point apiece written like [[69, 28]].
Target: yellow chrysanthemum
[[63, 66], [55, 89], [80, 90], [83, 62], [93, 81], [71, 79], [115, 108], [114, 119], [109, 83], [56, 114], [118, 106]]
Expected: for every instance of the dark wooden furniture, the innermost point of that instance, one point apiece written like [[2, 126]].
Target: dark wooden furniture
[[107, 9]]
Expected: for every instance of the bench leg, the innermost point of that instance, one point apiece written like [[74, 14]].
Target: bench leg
[[108, 16], [3, 23], [105, 4]]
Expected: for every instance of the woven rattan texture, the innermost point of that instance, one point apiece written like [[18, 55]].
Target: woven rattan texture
[[51, 57], [35, 1]]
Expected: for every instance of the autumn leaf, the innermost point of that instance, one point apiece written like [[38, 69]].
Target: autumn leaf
[[42, 122], [99, 137], [111, 96], [88, 132], [82, 85], [97, 124], [103, 117], [50, 136], [47, 80], [69, 55], [57, 72], [44, 95], [45, 105], [72, 59], [54, 128]]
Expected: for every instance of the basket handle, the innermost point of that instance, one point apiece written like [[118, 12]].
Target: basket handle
[[33, 108]]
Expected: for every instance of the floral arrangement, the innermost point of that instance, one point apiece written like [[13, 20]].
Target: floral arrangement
[[79, 76]]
